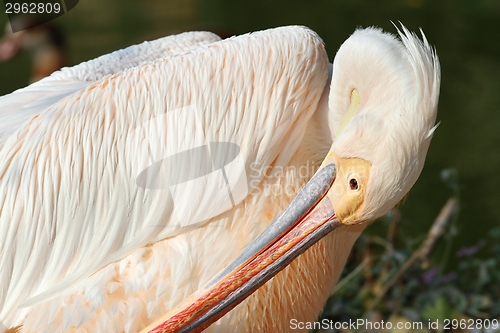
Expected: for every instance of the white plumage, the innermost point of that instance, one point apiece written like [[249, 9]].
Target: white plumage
[[84, 248]]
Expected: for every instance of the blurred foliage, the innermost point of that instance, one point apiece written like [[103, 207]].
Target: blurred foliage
[[424, 291]]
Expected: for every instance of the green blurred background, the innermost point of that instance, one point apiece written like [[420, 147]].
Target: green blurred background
[[464, 32]]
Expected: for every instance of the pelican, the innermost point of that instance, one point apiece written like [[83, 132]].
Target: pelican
[[132, 181]]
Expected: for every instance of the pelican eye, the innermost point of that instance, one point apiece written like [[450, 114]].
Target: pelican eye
[[353, 183]]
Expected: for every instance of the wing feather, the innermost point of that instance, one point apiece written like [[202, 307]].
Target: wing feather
[[71, 193], [24, 104]]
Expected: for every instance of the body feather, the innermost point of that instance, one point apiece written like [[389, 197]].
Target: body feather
[[70, 203]]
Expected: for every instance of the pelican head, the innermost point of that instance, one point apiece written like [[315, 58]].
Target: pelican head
[[382, 105], [383, 101]]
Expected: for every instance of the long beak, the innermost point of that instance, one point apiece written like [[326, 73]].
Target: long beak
[[308, 218]]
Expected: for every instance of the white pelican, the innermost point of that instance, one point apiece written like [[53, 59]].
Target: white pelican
[[93, 240]]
